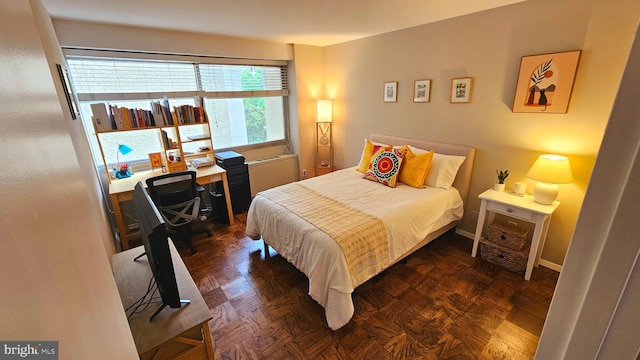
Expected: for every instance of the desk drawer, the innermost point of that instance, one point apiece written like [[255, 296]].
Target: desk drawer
[[510, 211]]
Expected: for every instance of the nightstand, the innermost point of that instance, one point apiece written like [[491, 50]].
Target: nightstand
[[519, 207]]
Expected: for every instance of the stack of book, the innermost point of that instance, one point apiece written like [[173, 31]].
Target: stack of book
[[202, 162]]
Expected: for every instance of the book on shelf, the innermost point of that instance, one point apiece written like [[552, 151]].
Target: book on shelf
[[112, 117], [165, 140], [168, 117], [100, 117], [157, 113], [112, 120], [122, 118], [126, 120], [199, 115], [187, 114], [198, 101]]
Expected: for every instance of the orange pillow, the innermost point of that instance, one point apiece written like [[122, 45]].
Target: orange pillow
[[415, 168]]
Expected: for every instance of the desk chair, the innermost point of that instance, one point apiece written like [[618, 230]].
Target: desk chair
[[176, 197]]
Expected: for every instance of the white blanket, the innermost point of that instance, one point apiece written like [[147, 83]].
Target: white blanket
[[409, 215]]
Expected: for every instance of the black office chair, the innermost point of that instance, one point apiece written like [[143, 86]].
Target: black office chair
[[176, 197]]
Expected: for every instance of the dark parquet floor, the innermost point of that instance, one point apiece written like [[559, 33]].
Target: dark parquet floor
[[439, 304]]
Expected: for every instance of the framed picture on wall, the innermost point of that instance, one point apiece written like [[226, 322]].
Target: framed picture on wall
[[155, 159], [68, 92], [422, 90], [545, 83], [390, 91], [461, 90]]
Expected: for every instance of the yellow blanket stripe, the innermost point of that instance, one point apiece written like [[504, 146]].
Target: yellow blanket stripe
[[362, 237]]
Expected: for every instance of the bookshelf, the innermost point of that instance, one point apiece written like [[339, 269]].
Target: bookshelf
[[184, 132]]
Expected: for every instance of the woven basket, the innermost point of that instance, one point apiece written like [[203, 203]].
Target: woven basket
[[512, 260], [508, 236]]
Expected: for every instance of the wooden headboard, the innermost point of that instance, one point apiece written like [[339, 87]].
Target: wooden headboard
[[463, 178]]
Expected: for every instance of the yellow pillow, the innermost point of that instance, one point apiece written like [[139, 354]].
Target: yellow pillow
[[369, 149], [415, 168]]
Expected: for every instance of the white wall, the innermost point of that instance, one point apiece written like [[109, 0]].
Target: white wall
[[56, 279], [309, 78], [488, 46], [605, 246], [113, 37]]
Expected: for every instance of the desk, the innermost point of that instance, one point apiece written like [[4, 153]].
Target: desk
[[175, 333], [523, 208], [122, 190]]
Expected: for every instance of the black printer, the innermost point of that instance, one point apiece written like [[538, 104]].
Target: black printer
[[239, 187]]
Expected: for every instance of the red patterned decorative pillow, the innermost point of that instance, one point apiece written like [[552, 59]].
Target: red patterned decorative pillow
[[384, 166]]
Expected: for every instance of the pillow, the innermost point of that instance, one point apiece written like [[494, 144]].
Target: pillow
[[369, 149], [416, 150], [443, 170], [415, 168], [384, 166]]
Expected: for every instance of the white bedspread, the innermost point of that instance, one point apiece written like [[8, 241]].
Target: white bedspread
[[409, 215]]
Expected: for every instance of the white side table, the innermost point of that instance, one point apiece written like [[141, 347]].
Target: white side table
[[519, 207]]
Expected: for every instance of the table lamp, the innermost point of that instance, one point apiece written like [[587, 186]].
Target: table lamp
[[549, 170], [124, 150]]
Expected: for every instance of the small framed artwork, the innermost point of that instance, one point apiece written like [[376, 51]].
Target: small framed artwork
[[545, 83], [391, 91], [156, 160], [68, 92], [421, 90], [461, 90]]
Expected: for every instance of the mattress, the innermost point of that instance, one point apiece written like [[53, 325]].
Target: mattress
[[409, 215]]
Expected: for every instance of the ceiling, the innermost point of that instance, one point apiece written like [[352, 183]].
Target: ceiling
[[309, 22]]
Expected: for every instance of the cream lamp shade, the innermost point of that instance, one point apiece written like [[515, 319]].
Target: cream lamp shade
[[324, 115], [549, 170], [323, 111]]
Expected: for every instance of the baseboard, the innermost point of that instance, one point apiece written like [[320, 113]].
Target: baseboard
[[550, 265], [465, 233], [543, 262]]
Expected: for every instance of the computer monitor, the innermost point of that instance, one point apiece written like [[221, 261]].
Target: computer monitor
[[156, 247]]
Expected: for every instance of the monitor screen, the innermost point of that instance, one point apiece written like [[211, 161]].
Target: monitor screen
[[156, 246]]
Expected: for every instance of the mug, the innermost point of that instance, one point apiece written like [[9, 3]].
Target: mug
[[519, 188]]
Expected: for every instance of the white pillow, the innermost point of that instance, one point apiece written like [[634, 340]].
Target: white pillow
[[416, 150], [443, 170]]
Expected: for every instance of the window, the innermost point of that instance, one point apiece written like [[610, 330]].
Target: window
[[245, 103]]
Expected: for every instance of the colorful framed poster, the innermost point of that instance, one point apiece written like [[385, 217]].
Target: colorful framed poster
[[545, 83]]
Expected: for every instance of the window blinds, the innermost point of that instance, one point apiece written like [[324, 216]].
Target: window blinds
[[96, 78]]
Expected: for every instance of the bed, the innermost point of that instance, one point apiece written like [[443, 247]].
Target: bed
[[341, 230]]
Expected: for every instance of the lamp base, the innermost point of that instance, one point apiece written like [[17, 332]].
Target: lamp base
[[545, 193]]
